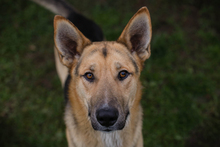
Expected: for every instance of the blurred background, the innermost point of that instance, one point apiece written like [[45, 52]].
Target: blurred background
[[181, 79]]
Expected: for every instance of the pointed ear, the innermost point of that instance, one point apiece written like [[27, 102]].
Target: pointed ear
[[69, 41], [137, 34]]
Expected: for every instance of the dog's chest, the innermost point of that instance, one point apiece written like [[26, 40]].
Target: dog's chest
[[111, 139]]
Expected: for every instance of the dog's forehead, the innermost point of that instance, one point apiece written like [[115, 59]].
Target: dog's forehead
[[106, 48], [105, 52], [111, 53]]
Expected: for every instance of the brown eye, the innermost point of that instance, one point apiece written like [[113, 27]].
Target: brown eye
[[123, 75], [89, 76]]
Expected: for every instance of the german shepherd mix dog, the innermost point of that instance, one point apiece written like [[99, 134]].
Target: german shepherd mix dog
[[100, 78]]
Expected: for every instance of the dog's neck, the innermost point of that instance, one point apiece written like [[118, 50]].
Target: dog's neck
[[111, 139]]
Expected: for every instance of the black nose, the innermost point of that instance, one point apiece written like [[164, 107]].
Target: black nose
[[107, 116]]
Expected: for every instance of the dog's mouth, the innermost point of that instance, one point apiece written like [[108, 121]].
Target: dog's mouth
[[108, 130], [108, 119]]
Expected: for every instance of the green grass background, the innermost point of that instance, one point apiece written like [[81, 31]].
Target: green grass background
[[181, 79]]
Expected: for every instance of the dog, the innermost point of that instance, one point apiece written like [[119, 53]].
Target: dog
[[100, 78]]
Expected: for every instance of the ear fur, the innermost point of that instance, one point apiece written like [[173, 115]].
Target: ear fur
[[69, 41], [137, 34]]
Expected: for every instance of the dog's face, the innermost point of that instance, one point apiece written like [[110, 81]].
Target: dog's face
[[106, 79], [105, 75]]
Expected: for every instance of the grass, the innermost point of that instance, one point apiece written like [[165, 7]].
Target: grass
[[181, 79]]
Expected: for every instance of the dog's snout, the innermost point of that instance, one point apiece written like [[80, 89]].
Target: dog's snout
[[107, 116]]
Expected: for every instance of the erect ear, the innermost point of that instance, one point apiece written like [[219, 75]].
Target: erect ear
[[137, 34], [69, 41]]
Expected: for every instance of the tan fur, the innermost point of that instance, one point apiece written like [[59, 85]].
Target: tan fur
[[62, 70], [84, 97]]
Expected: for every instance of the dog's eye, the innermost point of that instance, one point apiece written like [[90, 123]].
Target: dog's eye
[[123, 75], [89, 76]]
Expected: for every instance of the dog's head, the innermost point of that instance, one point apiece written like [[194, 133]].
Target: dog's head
[[105, 75]]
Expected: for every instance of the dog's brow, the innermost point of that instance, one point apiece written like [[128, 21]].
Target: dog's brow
[[92, 52], [134, 63], [92, 67], [118, 51], [118, 65], [131, 58], [77, 68]]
